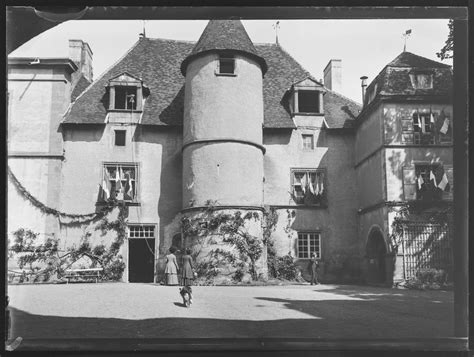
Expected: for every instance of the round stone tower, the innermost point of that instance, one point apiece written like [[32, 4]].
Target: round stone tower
[[222, 134]]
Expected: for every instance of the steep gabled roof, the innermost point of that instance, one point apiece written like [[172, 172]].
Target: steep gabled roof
[[408, 59], [224, 35], [80, 86], [156, 62], [394, 79], [283, 72]]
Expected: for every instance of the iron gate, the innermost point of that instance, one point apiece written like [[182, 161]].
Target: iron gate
[[424, 246]]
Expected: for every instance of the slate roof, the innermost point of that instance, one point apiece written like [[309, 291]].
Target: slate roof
[[394, 79], [224, 35], [156, 62], [408, 59], [80, 86]]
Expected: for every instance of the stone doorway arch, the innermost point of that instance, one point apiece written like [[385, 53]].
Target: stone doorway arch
[[376, 251]]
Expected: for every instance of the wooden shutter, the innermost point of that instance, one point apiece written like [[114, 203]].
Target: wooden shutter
[[409, 183], [448, 194]]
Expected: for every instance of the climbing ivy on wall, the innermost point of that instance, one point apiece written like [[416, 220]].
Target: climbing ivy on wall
[[231, 229], [47, 253], [74, 218]]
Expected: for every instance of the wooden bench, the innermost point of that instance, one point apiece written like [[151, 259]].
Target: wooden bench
[[76, 274]]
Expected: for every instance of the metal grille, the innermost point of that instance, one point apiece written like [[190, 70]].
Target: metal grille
[[424, 246]]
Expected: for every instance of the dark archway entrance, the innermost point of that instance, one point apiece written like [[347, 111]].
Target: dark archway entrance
[[376, 251]]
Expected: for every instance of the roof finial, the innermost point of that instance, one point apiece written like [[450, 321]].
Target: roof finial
[[405, 35], [143, 34], [276, 26]]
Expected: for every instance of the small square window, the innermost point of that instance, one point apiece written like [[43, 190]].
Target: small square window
[[226, 65], [308, 141], [120, 137]]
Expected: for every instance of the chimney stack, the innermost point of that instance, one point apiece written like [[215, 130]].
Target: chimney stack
[[333, 75], [80, 53], [363, 84]]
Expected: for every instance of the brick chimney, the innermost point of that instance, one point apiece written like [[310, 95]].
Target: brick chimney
[[80, 53], [333, 75]]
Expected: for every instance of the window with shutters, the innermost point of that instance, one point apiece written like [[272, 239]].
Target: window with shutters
[[309, 242], [426, 128], [428, 182], [308, 187]]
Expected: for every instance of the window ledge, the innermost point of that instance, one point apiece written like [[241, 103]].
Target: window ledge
[[125, 202], [300, 206], [124, 110], [226, 74], [308, 114]]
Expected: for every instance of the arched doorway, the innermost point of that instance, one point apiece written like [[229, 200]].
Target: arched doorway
[[376, 251]]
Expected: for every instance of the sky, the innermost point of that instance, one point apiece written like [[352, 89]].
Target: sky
[[364, 46]]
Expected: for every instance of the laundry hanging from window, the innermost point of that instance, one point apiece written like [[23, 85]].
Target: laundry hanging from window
[[119, 182], [308, 186]]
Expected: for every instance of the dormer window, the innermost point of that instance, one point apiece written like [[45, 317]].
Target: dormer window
[[421, 79], [306, 97], [308, 101], [125, 93], [226, 65], [125, 98]]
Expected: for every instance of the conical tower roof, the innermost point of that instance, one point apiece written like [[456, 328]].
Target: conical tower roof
[[224, 36]]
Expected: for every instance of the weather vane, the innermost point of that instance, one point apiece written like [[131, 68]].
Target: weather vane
[[405, 36], [276, 26]]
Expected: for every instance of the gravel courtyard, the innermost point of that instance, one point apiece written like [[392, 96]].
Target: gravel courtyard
[[119, 310]]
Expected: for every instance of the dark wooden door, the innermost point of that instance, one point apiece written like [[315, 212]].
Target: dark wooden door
[[141, 259]]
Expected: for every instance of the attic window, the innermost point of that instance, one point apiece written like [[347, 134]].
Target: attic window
[[308, 101], [126, 97], [421, 80], [126, 93], [424, 81], [226, 65]]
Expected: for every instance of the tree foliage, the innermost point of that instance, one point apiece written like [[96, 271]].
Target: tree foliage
[[447, 50]]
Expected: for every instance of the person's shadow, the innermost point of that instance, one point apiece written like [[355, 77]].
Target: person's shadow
[[180, 304]]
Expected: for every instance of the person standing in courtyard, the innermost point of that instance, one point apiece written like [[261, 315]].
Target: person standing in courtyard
[[171, 270], [187, 268], [313, 266]]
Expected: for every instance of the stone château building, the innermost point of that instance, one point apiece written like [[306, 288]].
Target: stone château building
[[176, 128]]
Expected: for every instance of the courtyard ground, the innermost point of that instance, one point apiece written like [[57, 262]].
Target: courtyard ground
[[75, 315]]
